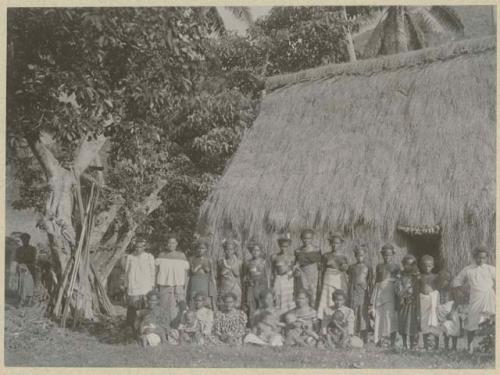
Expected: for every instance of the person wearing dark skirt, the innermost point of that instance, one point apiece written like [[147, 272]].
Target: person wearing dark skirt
[[201, 278], [359, 292], [307, 267], [256, 278], [407, 291]]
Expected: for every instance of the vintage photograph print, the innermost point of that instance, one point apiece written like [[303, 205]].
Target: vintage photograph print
[[241, 186]]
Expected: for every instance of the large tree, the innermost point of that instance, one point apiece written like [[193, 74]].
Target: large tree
[[91, 98]]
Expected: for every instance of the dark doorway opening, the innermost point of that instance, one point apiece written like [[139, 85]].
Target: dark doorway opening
[[426, 244]]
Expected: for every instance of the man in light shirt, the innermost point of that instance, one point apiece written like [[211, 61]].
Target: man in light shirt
[[172, 269], [139, 278]]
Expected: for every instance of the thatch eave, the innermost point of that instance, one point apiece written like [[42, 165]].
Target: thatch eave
[[391, 62]]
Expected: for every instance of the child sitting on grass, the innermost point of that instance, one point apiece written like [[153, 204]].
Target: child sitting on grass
[[338, 320], [336, 331], [190, 329], [265, 332], [149, 331], [299, 332]]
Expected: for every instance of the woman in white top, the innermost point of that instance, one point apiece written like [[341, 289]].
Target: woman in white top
[[139, 278], [480, 277], [172, 270]]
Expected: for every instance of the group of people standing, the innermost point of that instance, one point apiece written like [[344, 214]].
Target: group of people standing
[[303, 297]]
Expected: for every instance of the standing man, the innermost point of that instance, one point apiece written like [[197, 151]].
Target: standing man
[[481, 279], [172, 269], [26, 271], [139, 278]]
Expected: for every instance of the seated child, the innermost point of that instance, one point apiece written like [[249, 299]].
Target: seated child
[[149, 331], [204, 314], [338, 324], [190, 329], [336, 331], [265, 333], [299, 332]]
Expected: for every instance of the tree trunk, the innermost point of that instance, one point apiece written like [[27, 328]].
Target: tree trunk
[[350, 44], [395, 38]]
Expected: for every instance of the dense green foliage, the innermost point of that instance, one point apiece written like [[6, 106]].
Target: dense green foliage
[[172, 99]]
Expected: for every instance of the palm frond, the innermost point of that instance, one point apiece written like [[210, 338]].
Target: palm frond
[[242, 13], [448, 18], [416, 38], [215, 20], [395, 37], [415, 30], [372, 47], [429, 24]]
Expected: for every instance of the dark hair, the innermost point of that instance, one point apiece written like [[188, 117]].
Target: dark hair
[[306, 231], [426, 258], [360, 247], [333, 235], [387, 246], [302, 291], [253, 244], [338, 293], [173, 236], [229, 294], [282, 241], [409, 258], [25, 236], [479, 249], [265, 292], [200, 294]]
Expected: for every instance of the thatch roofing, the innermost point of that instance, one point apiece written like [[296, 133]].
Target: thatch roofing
[[404, 140]]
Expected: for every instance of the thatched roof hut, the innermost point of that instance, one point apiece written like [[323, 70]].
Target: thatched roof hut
[[399, 148]]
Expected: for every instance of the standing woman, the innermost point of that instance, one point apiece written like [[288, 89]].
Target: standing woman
[[139, 278], [172, 270], [229, 273], [360, 276], [480, 277], [307, 266], [201, 278], [333, 273], [383, 301], [282, 264], [256, 278]]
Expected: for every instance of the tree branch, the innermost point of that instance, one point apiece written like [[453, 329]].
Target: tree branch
[[102, 222], [87, 152], [45, 157]]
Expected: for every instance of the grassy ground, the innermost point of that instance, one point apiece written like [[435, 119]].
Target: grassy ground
[[31, 341]]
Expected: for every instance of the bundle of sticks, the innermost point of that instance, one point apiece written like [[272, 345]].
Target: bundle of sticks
[[81, 293]]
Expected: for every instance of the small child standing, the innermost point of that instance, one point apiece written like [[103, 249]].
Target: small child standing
[[452, 324], [408, 295], [429, 303]]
